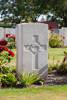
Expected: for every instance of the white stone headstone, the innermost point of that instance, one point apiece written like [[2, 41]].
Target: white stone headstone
[[2, 35], [10, 30], [61, 32], [65, 35], [32, 48], [3, 31]]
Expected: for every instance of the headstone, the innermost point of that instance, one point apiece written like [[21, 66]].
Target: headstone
[[10, 30], [2, 35], [64, 30], [61, 32], [3, 31], [32, 48]]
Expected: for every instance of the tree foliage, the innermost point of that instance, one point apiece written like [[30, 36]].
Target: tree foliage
[[57, 7], [17, 10]]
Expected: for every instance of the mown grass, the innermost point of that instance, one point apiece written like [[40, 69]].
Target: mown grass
[[6, 25], [56, 55], [37, 93]]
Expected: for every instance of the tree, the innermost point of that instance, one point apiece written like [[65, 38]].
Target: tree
[[57, 7], [60, 10], [7, 10], [17, 10]]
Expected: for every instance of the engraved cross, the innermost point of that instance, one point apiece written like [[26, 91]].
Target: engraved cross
[[35, 48]]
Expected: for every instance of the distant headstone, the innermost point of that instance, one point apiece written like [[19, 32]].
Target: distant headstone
[[2, 35], [3, 31], [32, 48], [63, 33], [10, 30], [65, 36]]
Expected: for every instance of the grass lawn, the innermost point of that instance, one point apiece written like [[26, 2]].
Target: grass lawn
[[57, 54], [37, 93]]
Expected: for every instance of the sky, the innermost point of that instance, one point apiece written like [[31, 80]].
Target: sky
[[44, 16], [0, 18], [40, 17]]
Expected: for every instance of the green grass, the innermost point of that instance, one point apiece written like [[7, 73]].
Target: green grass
[[57, 53], [6, 25], [37, 93]]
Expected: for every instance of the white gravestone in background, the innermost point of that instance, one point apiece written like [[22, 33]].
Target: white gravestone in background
[[32, 48], [61, 32], [2, 35], [3, 31], [65, 35], [10, 30]]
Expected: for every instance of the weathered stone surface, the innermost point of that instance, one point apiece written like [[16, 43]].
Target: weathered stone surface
[[2, 34], [63, 33], [65, 36], [10, 30], [3, 31], [32, 48]]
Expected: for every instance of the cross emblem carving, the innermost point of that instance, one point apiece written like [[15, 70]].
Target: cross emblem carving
[[35, 49]]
